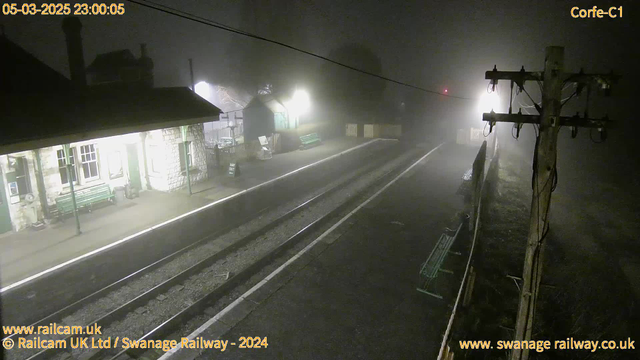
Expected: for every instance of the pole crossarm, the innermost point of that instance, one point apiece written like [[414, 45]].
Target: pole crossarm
[[518, 77], [571, 121], [513, 118], [586, 79], [577, 121], [512, 75]]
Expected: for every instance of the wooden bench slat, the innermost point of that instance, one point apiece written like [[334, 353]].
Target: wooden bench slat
[[432, 266], [309, 139]]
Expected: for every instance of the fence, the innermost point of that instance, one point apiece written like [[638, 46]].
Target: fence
[[229, 154], [478, 181]]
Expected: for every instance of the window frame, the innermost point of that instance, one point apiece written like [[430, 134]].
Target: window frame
[[92, 157], [72, 157], [23, 164], [189, 155]]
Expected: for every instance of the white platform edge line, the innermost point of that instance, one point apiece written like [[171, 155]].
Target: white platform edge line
[[242, 297], [125, 239]]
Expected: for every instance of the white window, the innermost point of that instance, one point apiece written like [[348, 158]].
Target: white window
[[89, 162], [115, 165], [62, 167]]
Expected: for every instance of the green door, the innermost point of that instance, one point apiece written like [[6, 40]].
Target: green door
[[5, 218], [134, 167]]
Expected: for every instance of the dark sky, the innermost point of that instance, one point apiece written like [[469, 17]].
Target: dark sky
[[432, 44]]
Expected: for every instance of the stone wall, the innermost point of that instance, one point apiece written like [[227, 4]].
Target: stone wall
[[177, 179], [163, 163], [22, 212]]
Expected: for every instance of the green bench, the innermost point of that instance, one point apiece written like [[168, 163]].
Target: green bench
[[85, 198], [433, 266], [309, 140]]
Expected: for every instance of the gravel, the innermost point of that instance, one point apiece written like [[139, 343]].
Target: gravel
[[158, 310]]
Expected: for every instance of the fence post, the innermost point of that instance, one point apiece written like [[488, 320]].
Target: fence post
[[477, 177]]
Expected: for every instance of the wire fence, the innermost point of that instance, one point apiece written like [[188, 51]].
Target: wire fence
[[488, 150]]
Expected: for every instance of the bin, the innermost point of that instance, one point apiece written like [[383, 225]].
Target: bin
[[118, 191]]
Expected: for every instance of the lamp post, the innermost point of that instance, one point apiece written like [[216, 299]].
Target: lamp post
[[67, 149]]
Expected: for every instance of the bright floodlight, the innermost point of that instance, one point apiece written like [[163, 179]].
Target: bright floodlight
[[299, 103], [488, 102], [203, 89]]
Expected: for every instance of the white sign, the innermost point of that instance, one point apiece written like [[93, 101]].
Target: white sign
[[476, 134]]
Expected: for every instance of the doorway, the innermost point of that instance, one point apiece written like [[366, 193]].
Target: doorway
[[5, 216], [134, 166]]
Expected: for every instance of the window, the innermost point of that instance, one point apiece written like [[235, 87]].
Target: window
[[62, 167], [115, 165], [181, 148], [281, 121], [89, 161], [23, 184]]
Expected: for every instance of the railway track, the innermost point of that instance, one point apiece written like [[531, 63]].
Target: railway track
[[171, 328], [220, 285]]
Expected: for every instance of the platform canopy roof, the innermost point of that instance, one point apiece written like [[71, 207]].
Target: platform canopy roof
[[40, 108], [32, 121], [275, 103]]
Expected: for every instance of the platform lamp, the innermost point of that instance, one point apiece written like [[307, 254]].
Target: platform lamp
[[67, 150]]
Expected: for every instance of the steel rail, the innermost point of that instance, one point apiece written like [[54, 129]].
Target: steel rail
[[170, 325], [123, 310]]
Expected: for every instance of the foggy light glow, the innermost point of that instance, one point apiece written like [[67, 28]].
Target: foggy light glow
[[299, 103], [203, 89], [488, 102]]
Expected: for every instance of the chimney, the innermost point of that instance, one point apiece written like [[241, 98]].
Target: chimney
[[71, 27], [146, 67]]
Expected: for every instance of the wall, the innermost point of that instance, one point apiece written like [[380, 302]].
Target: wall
[[156, 154], [258, 121], [22, 213], [172, 140], [390, 131], [163, 163], [352, 130], [105, 148], [371, 130], [108, 150]]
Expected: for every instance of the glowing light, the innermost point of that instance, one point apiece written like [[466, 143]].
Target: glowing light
[[488, 102], [203, 89], [299, 103], [446, 91]]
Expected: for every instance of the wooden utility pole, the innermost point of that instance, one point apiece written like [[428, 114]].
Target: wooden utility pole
[[544, 164], [544, 172]]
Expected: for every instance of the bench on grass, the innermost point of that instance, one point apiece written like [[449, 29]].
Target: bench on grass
[[433, 266], [309, 140], [85, 198]]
